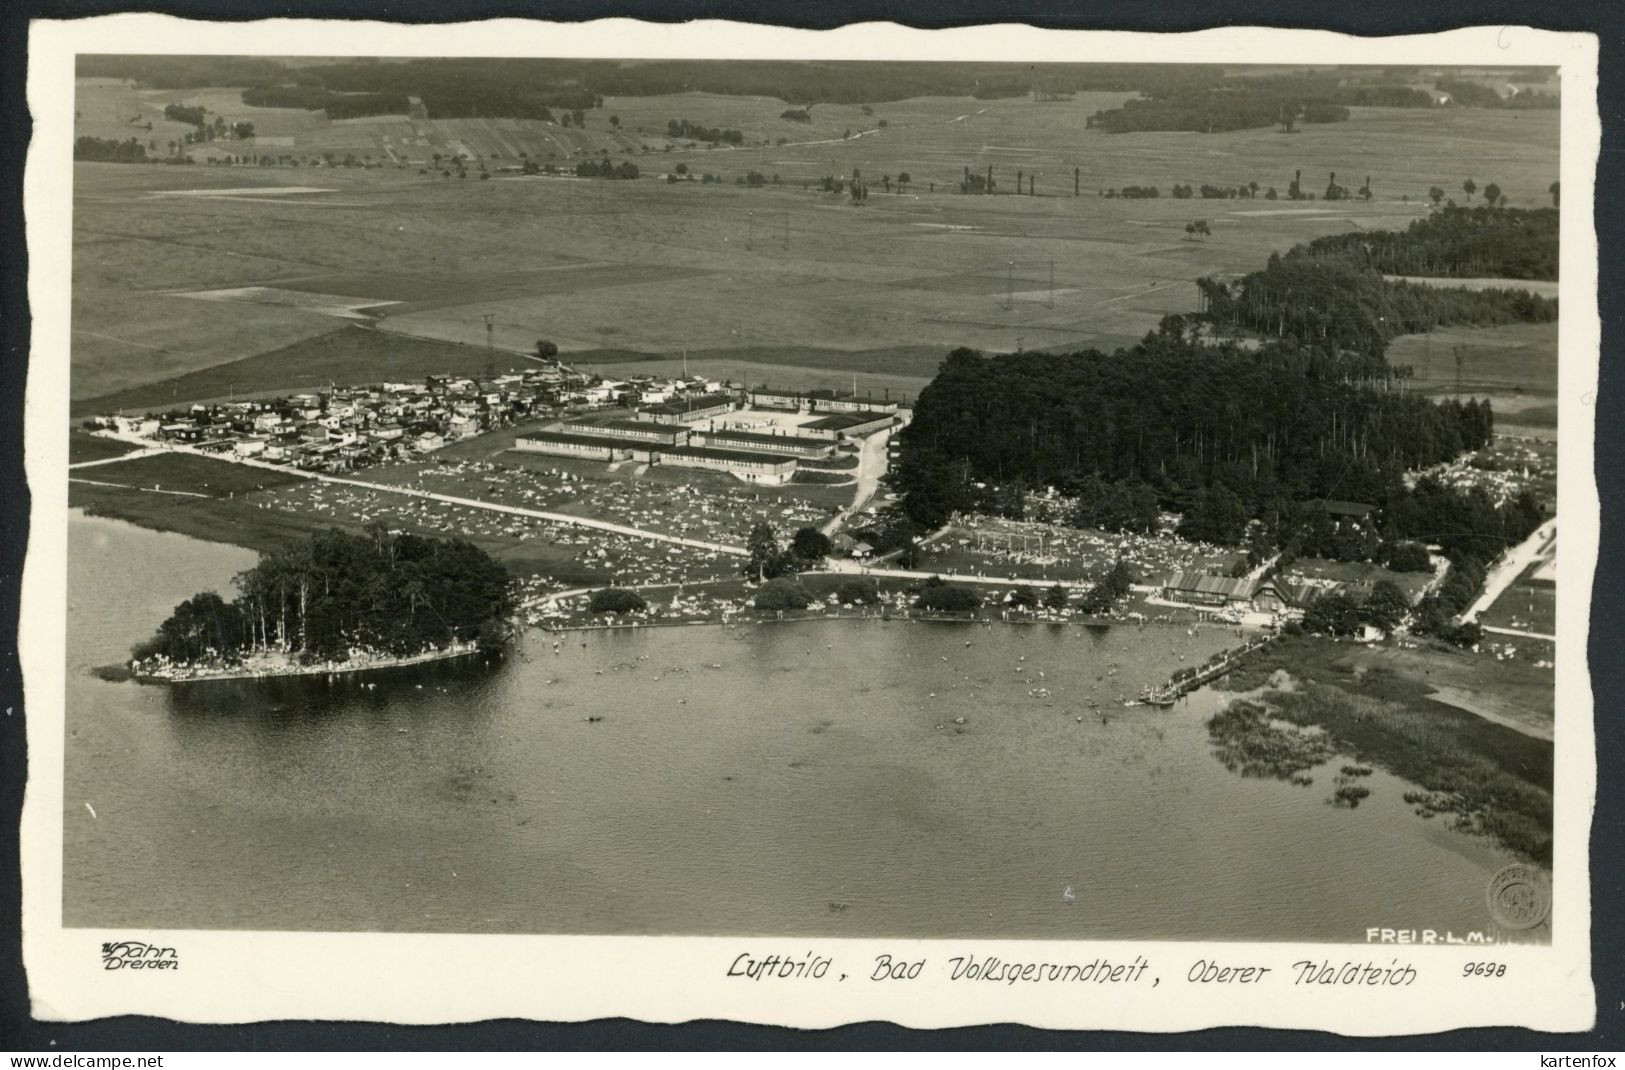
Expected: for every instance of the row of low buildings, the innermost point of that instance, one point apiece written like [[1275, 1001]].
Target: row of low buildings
[[685, 433], [820, 401], [1274, 594], [347, 427], [754, 458]]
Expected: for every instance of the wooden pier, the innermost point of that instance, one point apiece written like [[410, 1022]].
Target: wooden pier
[[1175, 689]]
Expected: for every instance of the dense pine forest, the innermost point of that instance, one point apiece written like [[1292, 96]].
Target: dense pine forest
[[108, 150], [1250, 103], [1480, 242], [318, 600], [1336, 300], [1250, 439], [1174, 414], [316, 98]]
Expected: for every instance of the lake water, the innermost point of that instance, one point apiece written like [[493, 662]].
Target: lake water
[[803, 778]]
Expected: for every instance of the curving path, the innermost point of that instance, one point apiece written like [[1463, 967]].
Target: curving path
[[1511, 566], [449, 499]]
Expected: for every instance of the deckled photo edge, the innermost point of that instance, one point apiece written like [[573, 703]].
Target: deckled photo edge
[[247, 976]]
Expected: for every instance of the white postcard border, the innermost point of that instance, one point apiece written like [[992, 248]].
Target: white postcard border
[[421, 978]]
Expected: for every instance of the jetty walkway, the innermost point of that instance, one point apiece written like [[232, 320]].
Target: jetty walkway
[[1176, 689]]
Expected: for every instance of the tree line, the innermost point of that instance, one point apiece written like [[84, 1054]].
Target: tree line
[[110, 150], [692, 131], [461, 88], [197, 116], [1215, 109], [1474, 95], [317, 600], [1336, 299], [1167, 419], [1224, 104], [1457, 242], [317, 98], [606, 169]]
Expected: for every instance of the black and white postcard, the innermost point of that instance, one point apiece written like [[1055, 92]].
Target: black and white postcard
[[709, 521]]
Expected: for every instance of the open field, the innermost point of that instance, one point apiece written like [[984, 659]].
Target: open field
[[180, 473], [798, 276], [1512, 701], [1514, 365], [254, 522], [497, 447], [905, 361], [721, 509], [1529, 605], [753, 372], [265, 510], [1075, 553], [1315, 568], [83, 446], [351, 354]]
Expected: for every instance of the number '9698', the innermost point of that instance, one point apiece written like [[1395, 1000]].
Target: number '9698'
[[1484, 969]]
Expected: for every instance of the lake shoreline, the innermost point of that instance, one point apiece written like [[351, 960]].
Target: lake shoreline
[[459, 650]]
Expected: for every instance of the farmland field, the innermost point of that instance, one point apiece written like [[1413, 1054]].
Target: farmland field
[[181, 473], [84, 447], [339, 354], [1530, 604], [1514, 365], [782, 283]]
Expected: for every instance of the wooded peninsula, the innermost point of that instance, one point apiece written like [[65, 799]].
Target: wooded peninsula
[[338, 596]]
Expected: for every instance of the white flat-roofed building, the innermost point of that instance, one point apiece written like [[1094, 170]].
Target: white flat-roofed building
[[690, 408], [751, 467], [842, 401], [844, 425], [756, 442], [565, 444], [136, 425], [777, 399], [629, 430]]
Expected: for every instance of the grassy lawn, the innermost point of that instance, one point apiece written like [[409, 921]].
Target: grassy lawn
[[87, 447], [1357, 571], [192, 474], [1529, 605], [258, 523], [1501, 359], [237, 521], [818, 497], [1078, 553], [1514, 365]]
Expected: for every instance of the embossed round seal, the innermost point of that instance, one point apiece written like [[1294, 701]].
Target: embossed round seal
[[1519, 896]]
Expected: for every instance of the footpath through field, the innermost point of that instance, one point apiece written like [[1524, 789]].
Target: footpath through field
[[472, 503], [872, 465], [1511, 566], [132, 455], [1520, 633]]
